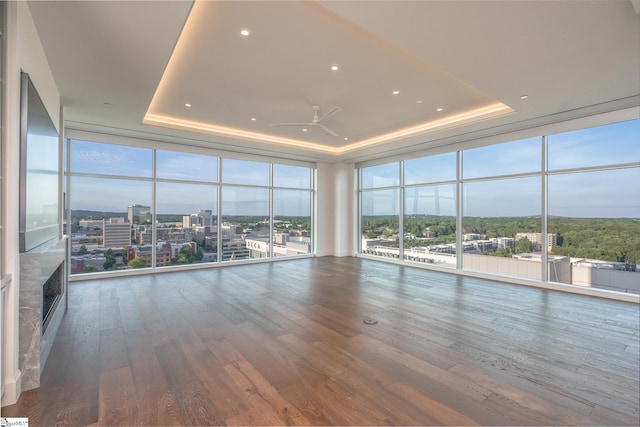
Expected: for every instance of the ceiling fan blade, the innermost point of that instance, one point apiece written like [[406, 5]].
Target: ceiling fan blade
[[291, 124], [329, 114], [326, 129]]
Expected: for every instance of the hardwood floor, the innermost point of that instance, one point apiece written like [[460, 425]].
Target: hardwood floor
[[285, 343]]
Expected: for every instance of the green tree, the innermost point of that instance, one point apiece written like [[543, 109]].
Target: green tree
[[501, 252], [523, 246], [83, 250], [188, 256], [90, 269], [110, 261], [137, 263]]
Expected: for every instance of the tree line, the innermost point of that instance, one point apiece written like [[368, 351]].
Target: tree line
[[606, 239]]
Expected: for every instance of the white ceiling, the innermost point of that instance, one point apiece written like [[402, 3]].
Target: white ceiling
[[116, 63]]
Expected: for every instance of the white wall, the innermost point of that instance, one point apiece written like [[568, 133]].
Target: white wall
[[24, 52], [624, 281], [336, 209]]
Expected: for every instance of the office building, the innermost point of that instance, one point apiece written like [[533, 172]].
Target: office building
[[138, 214], [116, 233]]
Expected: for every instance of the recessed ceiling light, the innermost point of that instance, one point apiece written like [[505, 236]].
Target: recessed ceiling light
[[334, 68], [346, 139], [304, 130], [419, 101], [253, 119], [396, 92], [524, 96], [187, 105], [439, 109], [244, 32]]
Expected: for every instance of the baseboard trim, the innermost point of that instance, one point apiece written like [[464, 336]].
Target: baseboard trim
[[12, 390]]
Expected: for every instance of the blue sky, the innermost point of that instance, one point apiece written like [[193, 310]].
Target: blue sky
[[613, 193], [602, 193], [114, 194]]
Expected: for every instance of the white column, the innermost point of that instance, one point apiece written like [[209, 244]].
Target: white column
[[336, 199]]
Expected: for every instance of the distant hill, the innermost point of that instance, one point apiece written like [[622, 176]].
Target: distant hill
[[85, 214]]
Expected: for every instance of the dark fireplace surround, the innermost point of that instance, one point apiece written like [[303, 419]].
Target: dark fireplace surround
[[52, 291]]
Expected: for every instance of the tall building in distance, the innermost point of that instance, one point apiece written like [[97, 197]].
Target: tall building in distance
[[138, 214], [189, 221], [116, 233], [203, 218]]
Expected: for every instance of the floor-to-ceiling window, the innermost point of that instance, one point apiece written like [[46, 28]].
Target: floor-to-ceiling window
[[380, 210], [245, 209], [560, 208], [594, 205], [132, 207], [501, 208], [292, 207], [186, 209], [430, 209], [110, 194]]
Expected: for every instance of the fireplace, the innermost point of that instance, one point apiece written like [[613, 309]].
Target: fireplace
[[52, 290]]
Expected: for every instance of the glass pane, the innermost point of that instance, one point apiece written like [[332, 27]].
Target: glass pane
[[42, 185], [430, 169], [291, 222], [102, 227], [610, 144], [502, 227], [596, 217], [430, 224], [65, 147], [245, 172], [186, 166], [291, 176], [380, 222], [503, 159], [109, 159], [245, 220], [387, 175], [186, 227]]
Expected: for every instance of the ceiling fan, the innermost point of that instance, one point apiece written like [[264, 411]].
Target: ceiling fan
[[316, 120]]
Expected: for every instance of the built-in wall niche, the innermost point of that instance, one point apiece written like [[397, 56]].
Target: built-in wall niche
[[39, 171]]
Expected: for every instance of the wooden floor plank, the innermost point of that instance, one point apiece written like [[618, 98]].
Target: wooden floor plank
[[192, 398], [154, 399], [285, 343], [113, 350], [117, 398], [442, 414], [261, 393]]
